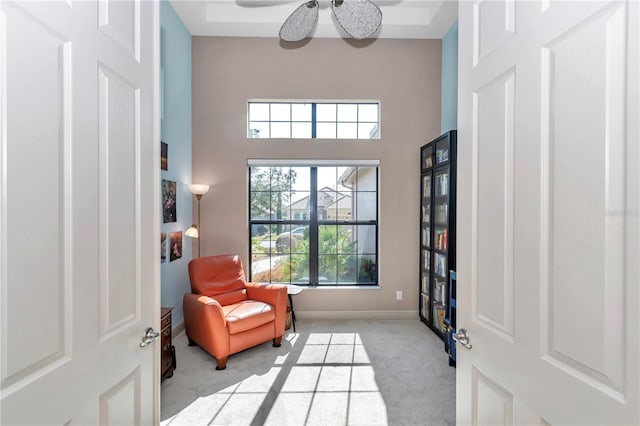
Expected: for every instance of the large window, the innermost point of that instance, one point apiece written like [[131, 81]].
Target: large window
[[314, 120], [314, 224]]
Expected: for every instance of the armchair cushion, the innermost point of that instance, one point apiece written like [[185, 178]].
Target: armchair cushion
[[246, 315], [218, 276]]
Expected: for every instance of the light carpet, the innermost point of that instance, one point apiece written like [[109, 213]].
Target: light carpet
[[338, 372]]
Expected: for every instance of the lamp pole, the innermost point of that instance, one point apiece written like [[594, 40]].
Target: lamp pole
[[199, 196], [194, 231]]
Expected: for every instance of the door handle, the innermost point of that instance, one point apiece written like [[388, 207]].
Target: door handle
[[462, 337], [149, 337]]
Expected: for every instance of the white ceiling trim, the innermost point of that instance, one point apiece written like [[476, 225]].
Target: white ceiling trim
[[405, 19]]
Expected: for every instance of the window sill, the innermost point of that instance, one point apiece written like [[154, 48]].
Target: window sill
[[342, 287]]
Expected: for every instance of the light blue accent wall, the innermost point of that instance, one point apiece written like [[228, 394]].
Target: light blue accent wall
[[175, 112], [449, 95]]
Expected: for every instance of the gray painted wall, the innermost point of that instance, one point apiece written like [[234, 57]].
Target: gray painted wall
[[175, 62], [405, 75]]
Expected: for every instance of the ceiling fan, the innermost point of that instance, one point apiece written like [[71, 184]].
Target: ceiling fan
[[358, 18]]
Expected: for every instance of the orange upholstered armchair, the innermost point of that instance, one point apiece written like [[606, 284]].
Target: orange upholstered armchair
[[224, 314]]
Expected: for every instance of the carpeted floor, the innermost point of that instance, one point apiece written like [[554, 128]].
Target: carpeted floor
[[338, 372]]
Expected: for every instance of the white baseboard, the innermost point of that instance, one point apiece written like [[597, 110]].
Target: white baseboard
[[348, 315], [178, 329]]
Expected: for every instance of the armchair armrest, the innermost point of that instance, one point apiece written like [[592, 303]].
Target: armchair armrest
[[205, 324], [273, 294]]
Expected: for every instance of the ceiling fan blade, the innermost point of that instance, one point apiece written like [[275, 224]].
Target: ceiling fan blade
[[358, 18], [301, 22]]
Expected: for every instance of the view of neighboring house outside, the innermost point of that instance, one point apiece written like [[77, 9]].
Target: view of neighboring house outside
[[345, 243], [364, 181], [332, 204]]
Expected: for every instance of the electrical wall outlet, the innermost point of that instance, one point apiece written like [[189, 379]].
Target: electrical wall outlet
[[399, 295]]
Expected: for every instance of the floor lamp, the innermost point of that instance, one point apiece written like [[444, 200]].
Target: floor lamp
[[194, 231]]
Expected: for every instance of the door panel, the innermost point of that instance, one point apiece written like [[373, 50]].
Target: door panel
[[494, 24], [120, 21], [119, 189], [39, 229], [493, 404], [116, 407], [494, 139], [78, 212], [585, 184], [548, 189]]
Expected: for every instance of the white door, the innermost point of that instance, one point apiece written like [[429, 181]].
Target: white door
[[78, 212], [548, 212]]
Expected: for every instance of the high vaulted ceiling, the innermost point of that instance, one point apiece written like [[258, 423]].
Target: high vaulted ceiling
[[263, 18]]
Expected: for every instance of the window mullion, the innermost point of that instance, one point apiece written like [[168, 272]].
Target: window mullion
[[313, 121], [313, 223]]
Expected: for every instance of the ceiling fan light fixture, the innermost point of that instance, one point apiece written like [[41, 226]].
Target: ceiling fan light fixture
[[301, 23], [358, 18]]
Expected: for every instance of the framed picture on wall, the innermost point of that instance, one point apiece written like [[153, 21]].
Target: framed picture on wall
[[163, 247], [164, 156], [176, 246], [168, 201]]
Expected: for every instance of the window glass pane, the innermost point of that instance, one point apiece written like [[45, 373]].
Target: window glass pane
[[260, 178], [327, 268], [367, 179], [327, 204], [258, 129], [281, 269], [301, 112], [261, 244], [366, 205], [280, 205], [300, 268], [280, 130], [368, 112], [327, 239], [258, 112], [347, 112], [344, 206], [347, 131], [263, 261], [326, 112], [286, 242], [280, 178], [301, 130], [347, 266], [327, 178], [367, 269], [300, 205], [366, 239], [347, 179], [368, 131], [280, 112], [325, 130], [260, 205], [346, 243], [301, 179]]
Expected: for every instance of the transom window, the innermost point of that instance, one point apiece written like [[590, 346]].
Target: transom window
[[314, 225], [314, 120]]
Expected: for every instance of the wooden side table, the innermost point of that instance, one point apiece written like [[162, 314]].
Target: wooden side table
[[168, 357]]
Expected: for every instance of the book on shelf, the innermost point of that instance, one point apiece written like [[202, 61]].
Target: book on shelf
[[441, 239], [443, 184], [441, 265], [441, 213], [442, 155]]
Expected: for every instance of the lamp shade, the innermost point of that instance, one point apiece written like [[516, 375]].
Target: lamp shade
[[197, 189], [192, 232]]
